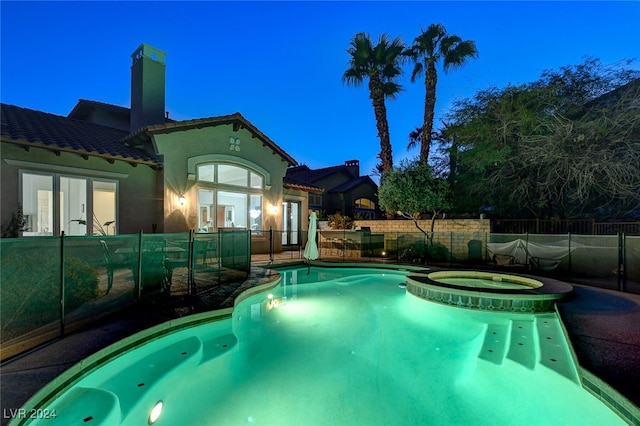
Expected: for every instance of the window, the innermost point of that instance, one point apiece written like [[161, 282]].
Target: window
[[37, 204], [315, 200], [229, 196], [365, 208], [232, 175], [104, 208], [365, 203], [53, 204]]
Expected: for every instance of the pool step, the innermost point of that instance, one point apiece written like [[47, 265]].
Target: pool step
[[496, 342], [83, 405], [523, 346], [534, 343], [554, 350]]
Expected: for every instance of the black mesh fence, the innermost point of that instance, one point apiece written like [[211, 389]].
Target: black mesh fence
[[53, 285], [607, 261]]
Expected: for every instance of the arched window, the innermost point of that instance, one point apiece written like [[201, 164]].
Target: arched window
[[365, 208], [229, 196]]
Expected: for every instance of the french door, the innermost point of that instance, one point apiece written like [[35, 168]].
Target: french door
[[290, 223]]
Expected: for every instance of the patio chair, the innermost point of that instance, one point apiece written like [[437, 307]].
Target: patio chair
[[112, 264], [503, 260], [204, 250], [542, 264]]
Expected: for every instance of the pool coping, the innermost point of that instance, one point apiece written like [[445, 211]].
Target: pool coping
[[534, 299]]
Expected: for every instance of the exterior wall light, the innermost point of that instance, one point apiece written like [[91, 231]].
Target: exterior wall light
[[273, 209], [181, 200]]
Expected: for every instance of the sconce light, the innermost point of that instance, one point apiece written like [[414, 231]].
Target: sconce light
[[181, 200], [273, 209]]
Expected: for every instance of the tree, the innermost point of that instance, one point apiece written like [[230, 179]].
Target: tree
[[430, 47], [412, 189], [381, 65], [563, 146]]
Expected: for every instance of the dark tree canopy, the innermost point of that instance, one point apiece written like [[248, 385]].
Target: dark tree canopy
[[567, 145]]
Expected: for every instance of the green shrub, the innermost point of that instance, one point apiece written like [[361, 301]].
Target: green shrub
[[415, 252], [438, 252]]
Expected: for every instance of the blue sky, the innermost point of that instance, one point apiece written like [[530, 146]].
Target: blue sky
[[280, 64]]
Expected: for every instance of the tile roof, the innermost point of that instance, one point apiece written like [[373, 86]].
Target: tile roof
[[31, 128], [84, 107], [347, 186], [295, 184], [305, 174], [306, 177]]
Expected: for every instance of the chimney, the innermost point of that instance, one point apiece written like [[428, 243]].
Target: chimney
[[147, 87], [354, 167]]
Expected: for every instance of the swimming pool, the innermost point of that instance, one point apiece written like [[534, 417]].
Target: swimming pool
[[341, 346]]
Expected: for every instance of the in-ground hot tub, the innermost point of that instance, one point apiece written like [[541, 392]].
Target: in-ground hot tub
[[489, 290]]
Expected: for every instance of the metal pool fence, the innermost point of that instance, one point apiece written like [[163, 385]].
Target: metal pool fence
[[606, 261], [52, 285]]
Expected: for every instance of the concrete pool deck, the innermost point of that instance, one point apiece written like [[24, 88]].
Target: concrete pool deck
[[603, 325]]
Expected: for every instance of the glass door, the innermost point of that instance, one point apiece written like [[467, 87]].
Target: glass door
[[74, 217], [290, 223]]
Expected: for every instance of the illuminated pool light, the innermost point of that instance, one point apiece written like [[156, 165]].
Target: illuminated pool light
[[155, 412]]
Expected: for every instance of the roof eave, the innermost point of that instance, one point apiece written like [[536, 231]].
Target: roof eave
[[84, 154]]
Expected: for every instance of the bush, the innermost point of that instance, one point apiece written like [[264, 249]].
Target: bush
[[338, 221], [415, 253], [438, 252]]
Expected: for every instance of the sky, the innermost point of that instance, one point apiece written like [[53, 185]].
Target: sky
[[280, 64]]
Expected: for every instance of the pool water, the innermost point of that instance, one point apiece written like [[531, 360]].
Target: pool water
[[352, 349], [483, 283]]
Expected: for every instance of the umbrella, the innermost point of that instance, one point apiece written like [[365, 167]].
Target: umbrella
[[311, 249]]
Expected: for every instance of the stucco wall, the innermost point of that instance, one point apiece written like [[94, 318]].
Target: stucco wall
[[185, 149]]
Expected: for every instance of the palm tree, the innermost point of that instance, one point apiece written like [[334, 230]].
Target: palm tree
[[415, 137], [429, 47], [381, 65]]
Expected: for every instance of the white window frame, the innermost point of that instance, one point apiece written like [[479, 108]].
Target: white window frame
[[56, 190]]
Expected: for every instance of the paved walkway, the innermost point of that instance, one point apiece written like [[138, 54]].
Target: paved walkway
[[604, 327]]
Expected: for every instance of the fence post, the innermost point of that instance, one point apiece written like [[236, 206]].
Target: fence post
[[248, 251], [270, 245], [451, 249], [569, 248], [139, 265], [622, 279], [190, 263], [62, 293]]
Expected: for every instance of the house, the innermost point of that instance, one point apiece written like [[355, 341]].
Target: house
[[106, 169], [338, 189]]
